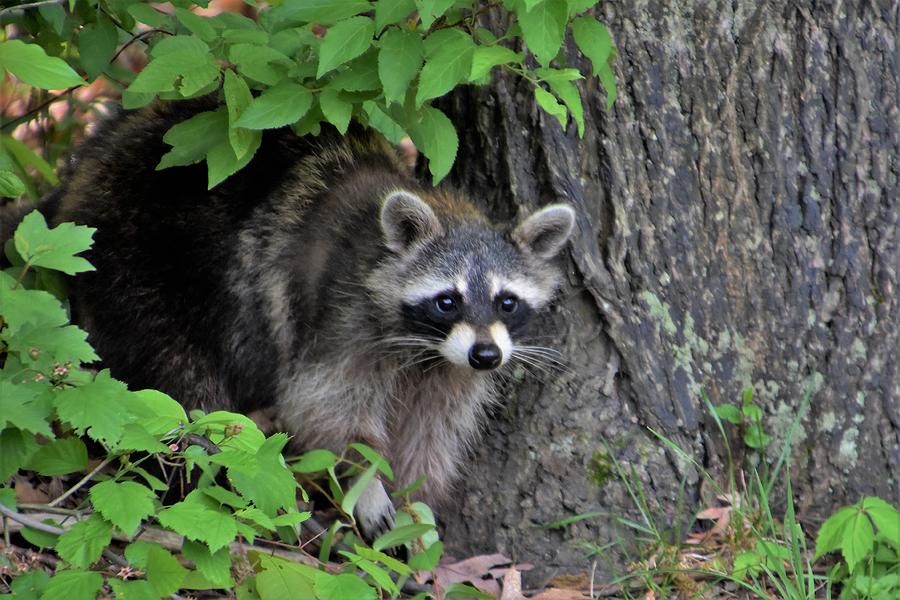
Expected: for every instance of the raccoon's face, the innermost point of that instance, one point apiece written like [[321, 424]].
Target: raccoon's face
[[465, 291]]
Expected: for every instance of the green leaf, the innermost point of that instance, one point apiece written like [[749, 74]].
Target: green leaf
[[96, 45], [546, 101], [270, 485], [19, 409], [885, 516], [746, 562], [389, 561], [53, 248], [22, 308], [448, 61], [29, 63], [361, 75], [41, 539], [436, 137], [148, 14], [461, 590], [755, 437], [752, 412], [10, 185], [431, 10], [60, 457], [73, 585], [133, 590], [16, 448], [859, 539], [87, 408], [30, 585], [237, 99], [399, 61], [179, 62], [381, 122], [392, 11], [543, 28], [341, 587], [63, 344], [594, 41], [156, 412], [486, 58], [193, 138], [83, 543], [337, 110], [282, 580], [560, 81], [123, 504], [401, 535], [730, 413], [315, 461], [199, 523], [256, 62], [164, 572], [427, 560], [216, 567], [374, 458], [200, 26], [221, 162], [323, 11], [25, 157], [276, 107], [343, 42], [356, 490], [226, 497], [831, 535]]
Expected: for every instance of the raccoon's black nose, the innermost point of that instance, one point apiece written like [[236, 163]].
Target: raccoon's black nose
[[484, 356]]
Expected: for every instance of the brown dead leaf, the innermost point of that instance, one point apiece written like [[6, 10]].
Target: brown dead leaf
[[560, 594], [572, 581], [27, 493]]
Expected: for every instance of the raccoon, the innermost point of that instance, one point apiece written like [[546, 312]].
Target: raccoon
[[322, 282]]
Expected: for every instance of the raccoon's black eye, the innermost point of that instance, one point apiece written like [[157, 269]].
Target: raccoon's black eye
[[445, 304], [509, 304]]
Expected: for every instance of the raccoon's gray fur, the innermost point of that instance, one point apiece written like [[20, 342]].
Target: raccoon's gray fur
[[321, 281]]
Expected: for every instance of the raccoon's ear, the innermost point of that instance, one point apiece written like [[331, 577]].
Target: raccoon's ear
[[545, 232], [406, 219]]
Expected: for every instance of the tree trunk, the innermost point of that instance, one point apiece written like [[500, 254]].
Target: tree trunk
[[738, 227]]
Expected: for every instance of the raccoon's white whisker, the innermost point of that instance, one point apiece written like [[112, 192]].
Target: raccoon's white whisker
[[537, 365], [540, 350]]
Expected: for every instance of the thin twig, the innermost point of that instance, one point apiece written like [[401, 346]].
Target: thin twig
[[83, 481], [29, 522]]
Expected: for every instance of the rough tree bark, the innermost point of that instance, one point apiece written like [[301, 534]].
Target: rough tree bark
[[738, 226]]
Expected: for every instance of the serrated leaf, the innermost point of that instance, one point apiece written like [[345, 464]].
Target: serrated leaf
[[343, 42], [156, 412], [486, 58], [401, 535], [59, 457], [436, 137], [384, 124], [179, 62], [226, 497], [755, 437], [53, 248], [30, 585], [216, 567], [19, 409], [124, 504], [278, 106], [73, 585], [96, 45], [594, 41], [199, 523], [261, 63], [64, 344], [341, 587], [547, 101], [29, 63], [337, 110], [858, 539], [392, 11], [87, 408], [41, 539], [560, 81], [282, 580], [885, 517], [448, 61], [133, 590], [23, 308], [399, 60], [543, 28], [83, 543], [149, 15], [164, 572], [271, 486]]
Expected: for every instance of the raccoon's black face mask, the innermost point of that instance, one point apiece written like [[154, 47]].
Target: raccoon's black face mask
[[468, 290]]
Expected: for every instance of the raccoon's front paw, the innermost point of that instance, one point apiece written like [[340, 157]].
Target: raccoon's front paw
[[374, 511]]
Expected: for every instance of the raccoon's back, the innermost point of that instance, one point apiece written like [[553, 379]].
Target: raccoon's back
[[159, 308]]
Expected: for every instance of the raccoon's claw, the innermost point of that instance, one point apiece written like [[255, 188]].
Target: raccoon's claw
[[374, 511]]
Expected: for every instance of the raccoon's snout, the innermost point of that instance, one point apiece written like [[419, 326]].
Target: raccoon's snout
[[485, 356]]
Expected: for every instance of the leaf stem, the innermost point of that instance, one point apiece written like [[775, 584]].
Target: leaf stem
[[83, 481]]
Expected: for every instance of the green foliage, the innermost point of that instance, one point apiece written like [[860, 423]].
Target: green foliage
[[52, 410], [305, 62]]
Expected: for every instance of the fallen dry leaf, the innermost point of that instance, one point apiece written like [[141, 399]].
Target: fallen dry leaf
[[512, 585]]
